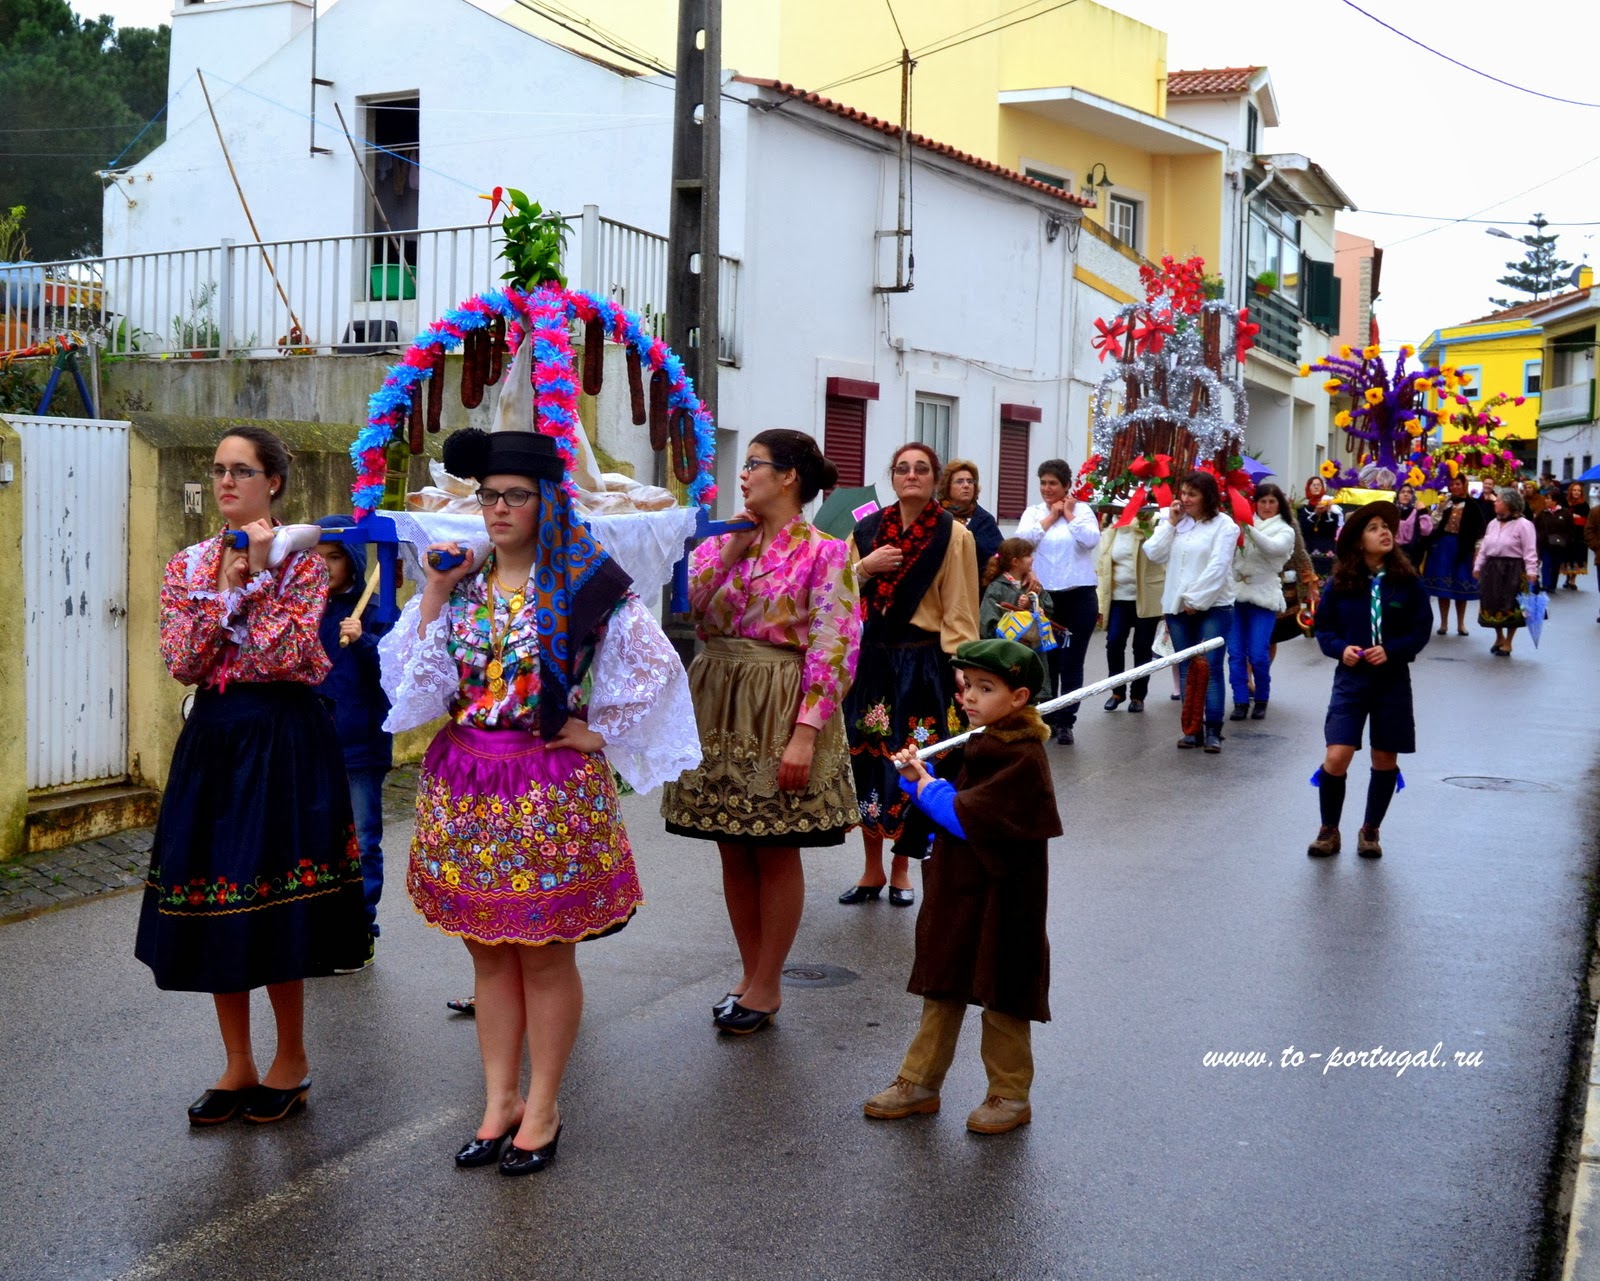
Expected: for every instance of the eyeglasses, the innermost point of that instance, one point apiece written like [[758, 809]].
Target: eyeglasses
[[908, 469], [240, 473], [513, 497], [750, 464]]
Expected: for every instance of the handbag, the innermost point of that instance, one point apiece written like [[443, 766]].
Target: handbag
[[1027, 627]]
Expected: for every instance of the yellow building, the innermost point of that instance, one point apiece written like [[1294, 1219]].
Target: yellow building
[[1500, 352], [1070, 97]]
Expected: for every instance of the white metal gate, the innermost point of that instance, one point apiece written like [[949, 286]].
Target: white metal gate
[[75, 592]]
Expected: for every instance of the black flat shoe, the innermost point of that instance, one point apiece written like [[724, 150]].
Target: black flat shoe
[[1113, 703], [515, 1160], [216, 1106], [1189, 740], [742, 1022], [901, 898], [1258, 712], [1240, 711], [724, 1005], [1136, 705], [860, 894], [483, 1151], [266, 1106]]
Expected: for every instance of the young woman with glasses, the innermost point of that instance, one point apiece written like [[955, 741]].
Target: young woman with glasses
[[519, 847], [776, 608], [255, 877], [919, 585]]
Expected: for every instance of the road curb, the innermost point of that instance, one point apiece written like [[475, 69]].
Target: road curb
[[1581, 1256]]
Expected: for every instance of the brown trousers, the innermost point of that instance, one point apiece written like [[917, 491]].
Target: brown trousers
[[1007, 1049]]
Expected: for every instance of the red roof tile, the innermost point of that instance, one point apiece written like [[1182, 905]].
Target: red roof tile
[[1527, 308], [917, 139], [1185, 84]]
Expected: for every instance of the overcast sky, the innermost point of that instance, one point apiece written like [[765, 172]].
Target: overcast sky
[[1402, 131]]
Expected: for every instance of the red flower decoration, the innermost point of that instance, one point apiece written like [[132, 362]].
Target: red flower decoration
[[1108, 342], [1245, 335]]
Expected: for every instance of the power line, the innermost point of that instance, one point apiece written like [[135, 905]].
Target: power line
[[1518, 196], [890, 6], [594, 37], [1466, 66]]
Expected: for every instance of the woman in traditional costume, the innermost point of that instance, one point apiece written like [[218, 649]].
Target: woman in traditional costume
[[519, 847], [919, 580], [776, 607], [255, 875]]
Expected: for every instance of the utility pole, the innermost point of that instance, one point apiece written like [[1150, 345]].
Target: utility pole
[[692, 239]]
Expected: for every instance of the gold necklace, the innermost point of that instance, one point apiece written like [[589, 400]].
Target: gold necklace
[[495, 670]]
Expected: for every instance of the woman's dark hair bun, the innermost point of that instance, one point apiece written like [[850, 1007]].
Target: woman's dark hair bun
[[830, 473], [795, 451], [466, 453]]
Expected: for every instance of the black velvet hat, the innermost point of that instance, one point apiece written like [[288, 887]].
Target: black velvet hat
[[1355, 524], [473, 454]]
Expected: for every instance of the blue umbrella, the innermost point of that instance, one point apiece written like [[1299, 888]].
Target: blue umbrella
[[1256, 470], [1590, 476]]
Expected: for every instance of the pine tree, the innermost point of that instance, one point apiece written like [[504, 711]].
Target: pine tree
[[1540, 273]]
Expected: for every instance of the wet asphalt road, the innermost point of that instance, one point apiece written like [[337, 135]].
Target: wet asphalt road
[[1185, 919]]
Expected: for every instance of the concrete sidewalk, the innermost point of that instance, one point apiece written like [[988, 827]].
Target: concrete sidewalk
[[115, 864]]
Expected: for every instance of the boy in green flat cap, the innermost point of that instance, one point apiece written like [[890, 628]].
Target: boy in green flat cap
[[981, 929]]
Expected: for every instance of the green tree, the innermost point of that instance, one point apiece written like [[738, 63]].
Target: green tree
[[76, 92], [1540, 273]]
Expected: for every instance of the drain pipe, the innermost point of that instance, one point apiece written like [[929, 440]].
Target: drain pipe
[[1244, 231]]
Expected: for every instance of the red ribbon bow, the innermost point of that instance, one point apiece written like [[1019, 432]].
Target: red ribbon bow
[[1152, 335], [1108, 342], [1245, 335]]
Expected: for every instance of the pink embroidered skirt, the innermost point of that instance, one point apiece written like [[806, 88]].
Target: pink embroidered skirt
[[516, 843]]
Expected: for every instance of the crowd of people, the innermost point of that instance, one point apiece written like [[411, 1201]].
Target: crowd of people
[[827, 670]]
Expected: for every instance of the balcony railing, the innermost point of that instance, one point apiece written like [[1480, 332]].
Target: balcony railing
[[1559, 406], [1280, 325], [357, 293]]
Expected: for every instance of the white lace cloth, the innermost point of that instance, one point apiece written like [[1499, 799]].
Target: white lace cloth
[[645, 544], [639, 700]]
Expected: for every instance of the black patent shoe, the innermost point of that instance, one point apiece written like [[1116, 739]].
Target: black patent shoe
[[724, 1005], [216, 1106], [860, 894], [1113, 703], [1213, 741], [741, 1021], [266, 1106], [483, 1151], [901, 898], [515, 1160], [1136, 705]]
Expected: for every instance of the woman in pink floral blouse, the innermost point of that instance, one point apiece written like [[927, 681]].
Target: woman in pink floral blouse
[[776, 607], [255, 877]]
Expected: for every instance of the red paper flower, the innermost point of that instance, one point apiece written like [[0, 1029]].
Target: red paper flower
[[1245, 335]]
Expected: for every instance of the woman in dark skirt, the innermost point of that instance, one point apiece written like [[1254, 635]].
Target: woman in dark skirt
[[1320, 521], [919, 586], [255, 875], [1447, 572], [1507, 563], [776, 608], [1576, 562]]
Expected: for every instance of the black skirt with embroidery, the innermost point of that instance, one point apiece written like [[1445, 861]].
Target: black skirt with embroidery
[[255, 873]]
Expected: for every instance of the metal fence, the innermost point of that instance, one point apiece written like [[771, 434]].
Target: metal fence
[[353, 293]]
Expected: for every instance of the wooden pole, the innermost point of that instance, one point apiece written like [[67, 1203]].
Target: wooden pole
[[249, 217]]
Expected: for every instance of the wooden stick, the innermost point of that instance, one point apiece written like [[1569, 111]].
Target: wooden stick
[[374, 576], [250, 218], [1088, 691]]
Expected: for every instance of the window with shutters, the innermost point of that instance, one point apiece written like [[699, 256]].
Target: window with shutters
[[844, 438], [932, 425], [1322, 294], [1011, 491]]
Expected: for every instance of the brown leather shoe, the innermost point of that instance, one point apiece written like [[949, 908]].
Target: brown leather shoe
[[1367, 843], [902, 1099], [1327, 842], [997, 1116]]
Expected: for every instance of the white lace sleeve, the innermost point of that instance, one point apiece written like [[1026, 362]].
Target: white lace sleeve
[[639, 702], [417, 673]]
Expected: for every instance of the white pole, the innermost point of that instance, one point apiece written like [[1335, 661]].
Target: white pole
[[1088, 691]]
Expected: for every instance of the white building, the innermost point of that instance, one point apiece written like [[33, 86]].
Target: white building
[[986, 355]]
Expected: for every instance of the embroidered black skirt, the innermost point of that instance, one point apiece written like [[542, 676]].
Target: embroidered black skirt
[[255, 874]]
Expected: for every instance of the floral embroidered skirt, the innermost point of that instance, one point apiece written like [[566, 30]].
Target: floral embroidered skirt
[[517, 843], [1447, 572], [904, 695], [1504, 579], [745, 694], [255, 874]]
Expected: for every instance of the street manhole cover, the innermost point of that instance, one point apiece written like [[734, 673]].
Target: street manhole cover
[[1485, 783], [811, 974]]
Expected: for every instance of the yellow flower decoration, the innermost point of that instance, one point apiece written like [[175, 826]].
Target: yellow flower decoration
[[520, 883], [1408, 351], [1342, 418], [1420, 384], [1328, 469], [1345, 352], [1333, 385], [1413, 427], [1454, 466], [1305, 371], [1374, 395], [1372, 352], [1415, 477]]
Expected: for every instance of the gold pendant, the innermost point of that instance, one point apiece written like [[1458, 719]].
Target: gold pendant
[[495, 670], [497, 688], [516, 602]]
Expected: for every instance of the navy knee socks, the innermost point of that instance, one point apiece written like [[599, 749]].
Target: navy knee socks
[[1330, 795], [1380, 791]]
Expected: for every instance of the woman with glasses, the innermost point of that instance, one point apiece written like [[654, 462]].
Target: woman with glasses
[[519, 847], [255, 876], [775, 605], [919, 585], [958, 495]]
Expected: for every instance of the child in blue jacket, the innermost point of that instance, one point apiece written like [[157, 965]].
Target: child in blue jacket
[[358, 704], [1373, 620]]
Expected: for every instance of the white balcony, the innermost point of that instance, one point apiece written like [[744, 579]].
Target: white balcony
[[1562, 406]]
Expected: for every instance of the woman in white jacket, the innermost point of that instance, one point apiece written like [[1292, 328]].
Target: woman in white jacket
[[1195, 542], [1258, 600]]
